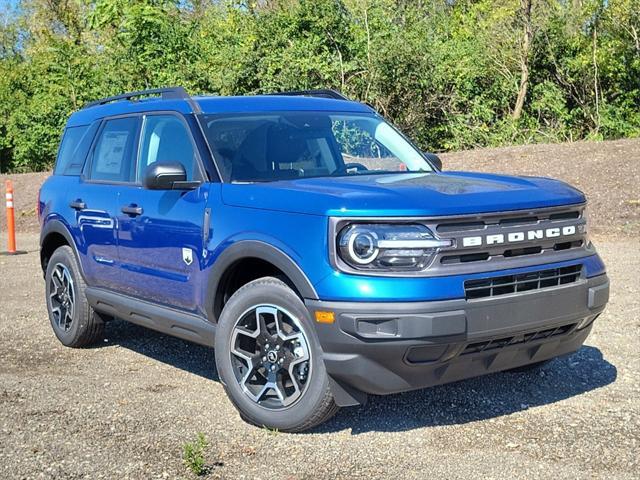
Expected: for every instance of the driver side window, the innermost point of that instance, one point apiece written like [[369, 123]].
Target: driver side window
[[166, 139]]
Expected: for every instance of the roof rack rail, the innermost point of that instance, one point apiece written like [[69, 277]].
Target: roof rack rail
[[322, 93], [168, 93]]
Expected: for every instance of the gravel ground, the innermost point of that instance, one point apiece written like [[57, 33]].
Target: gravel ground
[[125, 408]]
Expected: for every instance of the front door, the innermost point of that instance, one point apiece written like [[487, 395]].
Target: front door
[[160, 231]]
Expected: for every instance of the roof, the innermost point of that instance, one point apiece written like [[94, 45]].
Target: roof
[[217, 105]]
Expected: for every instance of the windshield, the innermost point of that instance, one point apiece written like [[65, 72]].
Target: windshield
[[282, 146]]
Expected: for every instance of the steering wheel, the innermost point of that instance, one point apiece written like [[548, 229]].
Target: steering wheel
[[352, 167]]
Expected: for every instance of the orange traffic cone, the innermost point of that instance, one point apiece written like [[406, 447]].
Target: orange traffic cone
[[11, 222]]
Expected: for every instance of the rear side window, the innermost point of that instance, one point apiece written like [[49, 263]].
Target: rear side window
[[69, 152], [113, 155]]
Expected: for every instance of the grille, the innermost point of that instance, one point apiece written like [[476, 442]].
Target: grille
[[499, 343], [499, 226], [522, 282]]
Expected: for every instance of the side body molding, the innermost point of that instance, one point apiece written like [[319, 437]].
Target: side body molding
[[161, 318], [263, 251]]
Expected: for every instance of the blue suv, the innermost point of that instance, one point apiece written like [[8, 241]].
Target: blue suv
[[319, 251]]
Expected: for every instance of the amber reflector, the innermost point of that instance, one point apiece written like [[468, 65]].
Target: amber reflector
[[324, 317]]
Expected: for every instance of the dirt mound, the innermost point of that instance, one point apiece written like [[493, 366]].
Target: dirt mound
[[608, 172], [25, 197]]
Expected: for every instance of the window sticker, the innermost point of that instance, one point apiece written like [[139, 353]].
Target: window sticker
[[112, 150]]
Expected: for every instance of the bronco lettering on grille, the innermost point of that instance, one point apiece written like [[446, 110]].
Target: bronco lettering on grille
[[514, 237]]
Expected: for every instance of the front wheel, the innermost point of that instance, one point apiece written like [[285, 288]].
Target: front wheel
[[269, 360]]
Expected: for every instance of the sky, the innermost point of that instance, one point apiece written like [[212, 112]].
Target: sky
[[8, 5]]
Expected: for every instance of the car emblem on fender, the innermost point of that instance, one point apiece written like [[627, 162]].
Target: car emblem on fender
[[187, 255]]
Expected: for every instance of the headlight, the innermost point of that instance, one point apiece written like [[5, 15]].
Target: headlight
[[403, 247]]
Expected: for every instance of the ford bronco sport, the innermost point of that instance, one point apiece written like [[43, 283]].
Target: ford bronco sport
[[321, 254]]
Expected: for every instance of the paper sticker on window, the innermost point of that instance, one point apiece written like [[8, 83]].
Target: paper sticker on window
[[112, 150]]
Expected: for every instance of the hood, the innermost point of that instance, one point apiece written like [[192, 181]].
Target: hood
[[405, 194]]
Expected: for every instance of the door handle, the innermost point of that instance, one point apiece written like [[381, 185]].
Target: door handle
[[132, 210], [78, 204]]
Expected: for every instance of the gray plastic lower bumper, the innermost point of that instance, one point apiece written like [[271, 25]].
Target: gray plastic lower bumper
[[382, 348]]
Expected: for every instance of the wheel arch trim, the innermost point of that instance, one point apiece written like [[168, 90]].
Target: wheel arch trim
[[58, 227], [262, 251]]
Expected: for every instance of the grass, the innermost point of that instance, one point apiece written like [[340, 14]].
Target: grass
[[193, 454], [271, 431]]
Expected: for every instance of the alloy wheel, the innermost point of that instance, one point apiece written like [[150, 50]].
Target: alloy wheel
[[270, 356], [62, 296]]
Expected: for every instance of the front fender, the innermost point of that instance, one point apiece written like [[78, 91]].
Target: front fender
[[264, 251]]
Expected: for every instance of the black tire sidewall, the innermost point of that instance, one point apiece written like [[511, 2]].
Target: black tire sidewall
[[272, 292]]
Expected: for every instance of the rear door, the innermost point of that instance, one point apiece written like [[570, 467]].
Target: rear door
[[160, 232], [110, 165]]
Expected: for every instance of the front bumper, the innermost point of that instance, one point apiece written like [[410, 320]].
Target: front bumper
[[381, 348]]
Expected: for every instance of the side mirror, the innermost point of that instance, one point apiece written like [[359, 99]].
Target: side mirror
[[434, 159], [167, 176]]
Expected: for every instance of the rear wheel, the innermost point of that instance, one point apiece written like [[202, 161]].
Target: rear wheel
[[74, 322], [269, 360]]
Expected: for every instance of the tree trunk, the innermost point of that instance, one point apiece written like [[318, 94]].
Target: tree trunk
[[596, 89], [527, 38]]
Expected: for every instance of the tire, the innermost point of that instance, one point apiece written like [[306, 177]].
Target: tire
[[532, 367], [82, 326], [251, 309]]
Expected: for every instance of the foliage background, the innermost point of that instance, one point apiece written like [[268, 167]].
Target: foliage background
[[452, 73]]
